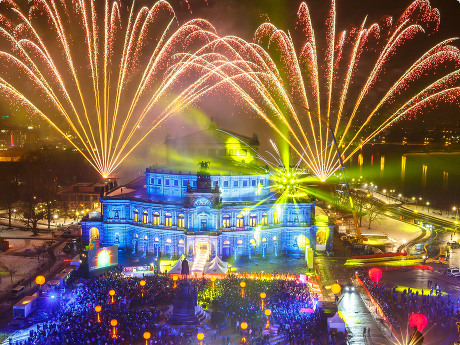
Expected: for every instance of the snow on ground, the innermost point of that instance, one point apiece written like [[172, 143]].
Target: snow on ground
[[398, 232]]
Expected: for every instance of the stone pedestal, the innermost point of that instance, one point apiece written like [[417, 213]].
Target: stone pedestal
[[184, 305]]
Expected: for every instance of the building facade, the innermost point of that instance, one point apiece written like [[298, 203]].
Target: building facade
[[172, 213]]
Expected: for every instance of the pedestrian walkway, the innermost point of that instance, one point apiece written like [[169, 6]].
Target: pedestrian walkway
[[201, 257]]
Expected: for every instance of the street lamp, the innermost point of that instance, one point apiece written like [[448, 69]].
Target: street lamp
[[213, 280], [428, 206], [98, 309], [242, 284], [146, 336], [200, 337], [114, 324], [142, 283], [267, 313], [243, 326], [262, 296], [112, 294], [175, 278]]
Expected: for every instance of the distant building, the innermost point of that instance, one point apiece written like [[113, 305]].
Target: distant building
[[82, 195]]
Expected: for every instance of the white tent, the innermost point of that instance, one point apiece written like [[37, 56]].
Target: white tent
[[177, 268], [215, 270], [336, 323], [217, 260]]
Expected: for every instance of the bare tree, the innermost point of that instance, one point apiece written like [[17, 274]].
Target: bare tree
[[374, 213], [41, 249], [10, 269]]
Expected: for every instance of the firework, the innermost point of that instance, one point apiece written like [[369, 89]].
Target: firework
[[307, 93], [100, 73]]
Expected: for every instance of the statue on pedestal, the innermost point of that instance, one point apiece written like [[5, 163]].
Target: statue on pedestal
[[185, 300]]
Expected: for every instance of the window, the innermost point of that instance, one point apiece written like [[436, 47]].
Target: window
[[116, 214], [226, 221], [176, 183], [275, 217], [168, 219], [235, 183], [145, 217], [181, 241], [253, 219], [264, 240], [225, 183], [168, 240], [226, 242], [156, 218], [146, 237], [245, 183], [181, 221], [136, 216], [252, 241], [239, 221], [261, 183], [254, 183], [167, 182], [152, 181], [159, 181], [239, 242], [184, 183], [194, 183], [117, 238], [264, 218], [275, 238], [157, 239]]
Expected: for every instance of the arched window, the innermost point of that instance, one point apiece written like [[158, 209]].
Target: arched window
[[168, 219], [239, 221], [157, 239], [181, 241], [252, 241], [168, 240], [117, 237], [264, 240], [116, 214], [264, 218], [136, 235], [146, 237], [275, 238], [239, 242], [145, 217], [253, 219], [181, 221], [226, 243], [156, 218], [226, 221], [275, 217], [136, 216]]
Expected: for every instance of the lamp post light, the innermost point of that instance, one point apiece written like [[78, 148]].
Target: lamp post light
[[142, 283], [112, 296], [267, 313], [40, 280], [213, 281], [428, 206], [262, 296], [242, 284], [146, 336], [98, 309], [200, 337], [175, 278], [114, 324], [243, 326]]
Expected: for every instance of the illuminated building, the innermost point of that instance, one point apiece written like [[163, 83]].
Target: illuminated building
[[228, 214]]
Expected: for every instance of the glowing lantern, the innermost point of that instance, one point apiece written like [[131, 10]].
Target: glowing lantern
[[244, 325], [112, 294], [213, 280], [142, 283], [175, 278], [336, 288], [375, 274], [267, 313], [200, 337], [146, 336], [98, 309], [262, 296], [40, 280], [114, 323], [419, 321], [242, 284]]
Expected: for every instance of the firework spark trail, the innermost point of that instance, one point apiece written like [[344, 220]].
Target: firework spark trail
[[96, 73], [272, 80]]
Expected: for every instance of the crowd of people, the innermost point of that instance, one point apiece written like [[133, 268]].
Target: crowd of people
[[140, 309], [439, 307]]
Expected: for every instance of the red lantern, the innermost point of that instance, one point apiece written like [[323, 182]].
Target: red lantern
[[375, 274], [419, 321]]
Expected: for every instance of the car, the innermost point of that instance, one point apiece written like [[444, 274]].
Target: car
[[17, 323], [348, 288], [453, 271]]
